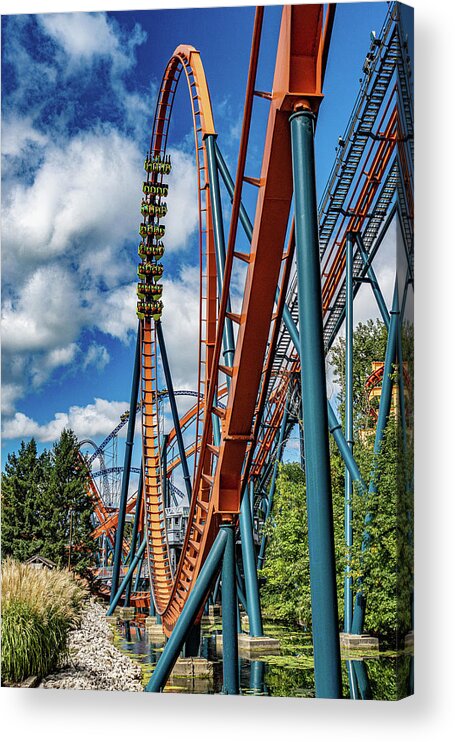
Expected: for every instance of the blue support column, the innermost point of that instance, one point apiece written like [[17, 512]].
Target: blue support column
[[373, 280], [279, 454], [174, 411], [135, 533], [327, 666], [302, 447], [220, 246], [229, 614], [188, 615], [249, 568], [164, 482], [349, 433], [229, 183], [126, 579], [138, 574], [126, 469]]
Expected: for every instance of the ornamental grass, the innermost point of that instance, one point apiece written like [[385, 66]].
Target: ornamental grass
[[39, 607]]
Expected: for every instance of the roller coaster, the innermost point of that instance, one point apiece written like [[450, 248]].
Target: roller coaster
[[261, 369]]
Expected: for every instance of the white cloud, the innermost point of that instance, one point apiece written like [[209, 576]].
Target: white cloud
[[46, 316], [182, 218], [96, 355], [95, 419], [10, 393], [83, 36], [181, 326], [18, 132], [115, 312], [83, 198]]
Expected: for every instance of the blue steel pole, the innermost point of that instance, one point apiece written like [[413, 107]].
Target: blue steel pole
[[173, 404], [138, 573], [220, 245], [349, 432], [302, 447], [126, 469], [127, 578], [135, 532], [249, 568], [229, 183], [164, 483], [327, 664], [188, 615], [229, 614], [373, 280], [279, 453], [383, 414]]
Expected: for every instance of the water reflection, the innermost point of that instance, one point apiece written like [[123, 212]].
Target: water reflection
[[380, 676]]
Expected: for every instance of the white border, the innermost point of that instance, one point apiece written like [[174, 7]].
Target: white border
[[53, 715]]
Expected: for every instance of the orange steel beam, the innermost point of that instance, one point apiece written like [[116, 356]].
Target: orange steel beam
[[297, 82]]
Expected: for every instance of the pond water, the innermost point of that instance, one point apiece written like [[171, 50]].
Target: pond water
[[378, 676]]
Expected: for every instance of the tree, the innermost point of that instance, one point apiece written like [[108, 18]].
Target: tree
[[23, 483], [68, 507], [369, 344], [45, 505]]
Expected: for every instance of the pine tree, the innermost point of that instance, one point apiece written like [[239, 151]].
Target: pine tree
[[25, 479], [69, 510]]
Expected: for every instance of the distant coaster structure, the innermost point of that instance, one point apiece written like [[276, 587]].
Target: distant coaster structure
[[261, 369]]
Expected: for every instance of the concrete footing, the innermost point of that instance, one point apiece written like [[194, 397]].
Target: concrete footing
[[359, 642], [193, 667], [127, 613], [156, 633], [252, 646], [245, 622]]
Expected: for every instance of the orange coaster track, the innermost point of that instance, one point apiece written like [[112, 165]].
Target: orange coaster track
[[221, 471]]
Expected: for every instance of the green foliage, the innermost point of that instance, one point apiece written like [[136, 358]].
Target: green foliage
[[45, 505], [286, 592], [39, 607], [382, 554], [383, 520], [23, 484], [369, 345]]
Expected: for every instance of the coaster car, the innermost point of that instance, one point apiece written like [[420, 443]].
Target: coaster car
[[153, 249], [155, 270], [154, 189], [158, 164], [149, 309]]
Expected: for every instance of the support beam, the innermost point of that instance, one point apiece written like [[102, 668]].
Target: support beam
[[188, 615], [174, 411], [327, 667], [271, 495], [126, 579], [136, 524], [126, 469], [373, 280], [349, 431], [220, 246], [249, 568], [229, 614]]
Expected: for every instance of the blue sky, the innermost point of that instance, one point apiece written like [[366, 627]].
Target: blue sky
[[78, 95]]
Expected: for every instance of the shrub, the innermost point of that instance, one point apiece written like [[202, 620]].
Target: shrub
[[39, 607]]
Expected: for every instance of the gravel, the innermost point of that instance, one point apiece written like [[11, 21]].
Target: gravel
[[95, 664]]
